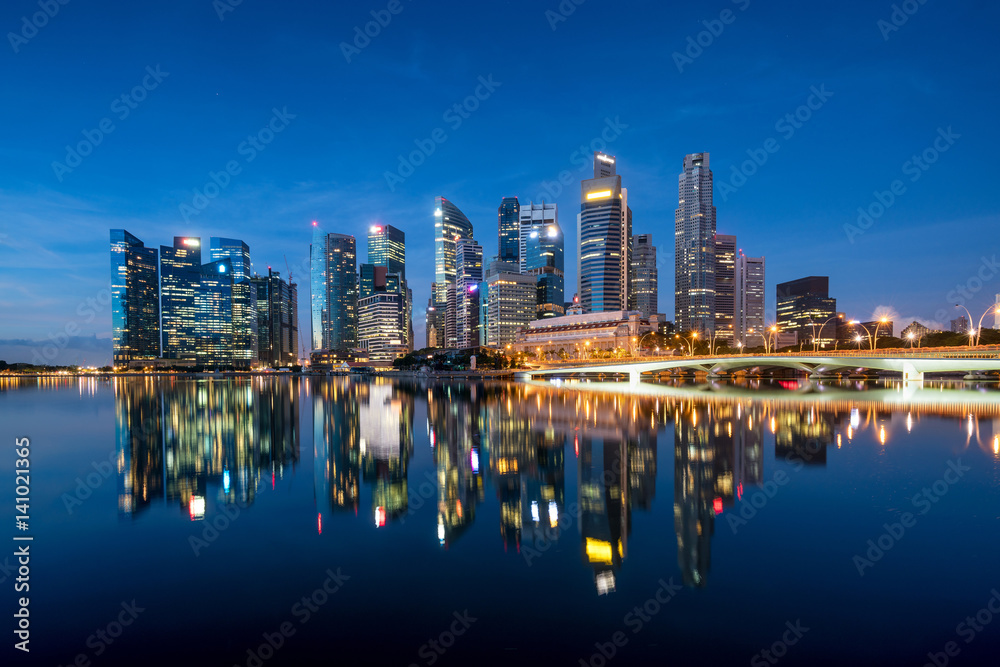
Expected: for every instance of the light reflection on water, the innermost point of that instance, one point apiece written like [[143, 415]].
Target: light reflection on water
[[604, 488]]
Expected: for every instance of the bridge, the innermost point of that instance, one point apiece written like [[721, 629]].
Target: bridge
[[911, 364]]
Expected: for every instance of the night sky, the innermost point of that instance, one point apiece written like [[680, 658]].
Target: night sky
[[557, 84]]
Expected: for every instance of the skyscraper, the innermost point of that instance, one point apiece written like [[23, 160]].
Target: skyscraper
[[604, 227], [748, 320], [334, 290], [533, 218], [804, 306], [468, 275], [545, 261], [508, 302], [387, 247], [694, 248], [277, 320], [508, 227], [180, 272], [725, 285], [644, 290], [244, 295], [435, 322], [450, 225], [135, 299]]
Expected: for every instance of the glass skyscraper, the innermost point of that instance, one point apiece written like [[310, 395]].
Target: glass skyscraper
[[694, 248], [387, 247], [534, 218], [244, 306], [450, 225], [508, 225], [725, 286], [545, 260], [468, 275], [334, 290], [135, 299], [180, 274], [644, 292], [277, 320], [604, 227]]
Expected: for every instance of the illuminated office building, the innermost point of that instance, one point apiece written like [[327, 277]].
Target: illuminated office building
[[748, 321], [533, 218], [694, 248], [468, 276], [244, 298], [277, 320], [435, 323], [805, 306], [508, 227], [643, 285], [135, 299], [545, 261], [180, 271], [604, 230], [334, 291], [450, 226], [725, 287], [508, 301]]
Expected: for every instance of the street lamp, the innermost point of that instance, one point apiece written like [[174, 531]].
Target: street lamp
[[858, 338], [821, 327], [972, 334], [910, 336], [872, 339], [995, 308]]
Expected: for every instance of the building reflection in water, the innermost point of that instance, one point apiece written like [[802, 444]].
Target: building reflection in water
[[189, 441], [180, 440]]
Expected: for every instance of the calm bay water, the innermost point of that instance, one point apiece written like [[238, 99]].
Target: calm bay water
[[374, 522]]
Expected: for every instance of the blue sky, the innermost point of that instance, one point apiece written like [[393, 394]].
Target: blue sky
[[888, 94]]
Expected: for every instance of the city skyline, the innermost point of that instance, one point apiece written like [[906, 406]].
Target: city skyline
[[781, 185]]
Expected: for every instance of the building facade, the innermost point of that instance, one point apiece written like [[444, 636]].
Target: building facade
[[725, 287], [468, 276], [244, 295], [277, 320], [545, 261], [334, 290], [135, 299], [579, 336], [509, 230], [644, 289], [694, 247], [748, 300], [604, 230], [805, 307], [533, 218], [507, 303], [180, 272]]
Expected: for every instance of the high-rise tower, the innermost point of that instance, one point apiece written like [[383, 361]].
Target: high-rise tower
[[694, 243], [508, 221], [604, 227], [725, 285], [644, 289], [135, 299], [334, 287]]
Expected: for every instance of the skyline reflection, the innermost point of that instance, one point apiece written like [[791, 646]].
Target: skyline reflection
[[185, 442]]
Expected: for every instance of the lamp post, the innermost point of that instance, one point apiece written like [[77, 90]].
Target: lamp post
[[642, 338], [821, 327], [872, 339], [995, 308], [972, 334]]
